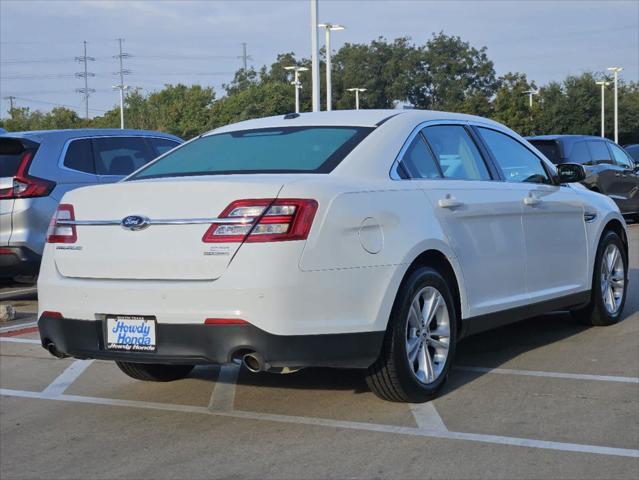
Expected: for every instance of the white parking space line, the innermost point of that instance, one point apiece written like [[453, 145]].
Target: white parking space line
[[66, 378], [21, 291], [427, 417], [11, 328], [223, 395], [323, 422], [20, 340], [535, 373]]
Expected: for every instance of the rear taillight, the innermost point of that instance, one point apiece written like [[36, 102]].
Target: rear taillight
[[272, 221], [24, 185], [58, 231]]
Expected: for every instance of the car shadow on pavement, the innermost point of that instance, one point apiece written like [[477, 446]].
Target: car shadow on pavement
[[489, 349]]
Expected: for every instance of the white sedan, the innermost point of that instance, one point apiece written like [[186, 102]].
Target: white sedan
[[361, 239]]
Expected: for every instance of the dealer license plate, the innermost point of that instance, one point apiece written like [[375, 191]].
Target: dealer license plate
[[130, 333]]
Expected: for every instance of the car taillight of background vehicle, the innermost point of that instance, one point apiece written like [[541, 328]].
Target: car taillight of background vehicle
[[62, 233], [24, 185], [274, 221]]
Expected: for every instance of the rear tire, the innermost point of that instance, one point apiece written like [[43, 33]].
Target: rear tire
[[420, 341], [604, 309], [155, 372]]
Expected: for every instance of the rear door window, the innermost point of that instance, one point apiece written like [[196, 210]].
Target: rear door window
[[599, 152], [518, 163], [579, 153], [162, 145], [456, 153], [79, 156], [418, 162], [121, 155], [11, 151]]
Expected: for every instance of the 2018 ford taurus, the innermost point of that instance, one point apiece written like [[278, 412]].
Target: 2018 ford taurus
[[363, 239]]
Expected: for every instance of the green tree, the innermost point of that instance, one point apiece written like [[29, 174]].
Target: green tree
[[511, 104]]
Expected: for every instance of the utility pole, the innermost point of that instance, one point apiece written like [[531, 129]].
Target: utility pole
[[86, 91], [603, 84], [121, 86], [357, 91], [297, 83], [616, 71], [11, 99], [329, 88], [315, 71]]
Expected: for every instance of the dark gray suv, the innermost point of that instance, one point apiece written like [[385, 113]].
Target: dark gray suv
[[37, 168], [609, 168]]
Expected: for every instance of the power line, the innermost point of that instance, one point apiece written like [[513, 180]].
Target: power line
[[245, 57], [35, 100]]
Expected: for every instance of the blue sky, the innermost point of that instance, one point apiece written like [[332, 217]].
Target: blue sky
[[199, 41]]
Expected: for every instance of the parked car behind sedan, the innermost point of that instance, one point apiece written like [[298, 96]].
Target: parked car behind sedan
[[633, 151], [37, 168], [610, 170], [370, 239]]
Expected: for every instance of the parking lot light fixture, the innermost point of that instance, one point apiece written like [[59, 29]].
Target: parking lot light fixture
[[329, 27], [603, 84], [315, 72], [530, 94], [616, 71], [298, 85], [357, 91]]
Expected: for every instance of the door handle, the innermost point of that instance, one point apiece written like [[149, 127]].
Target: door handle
[[531, 201], [449, 202]]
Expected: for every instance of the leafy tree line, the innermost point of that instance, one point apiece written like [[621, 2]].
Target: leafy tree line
[[445, 73]]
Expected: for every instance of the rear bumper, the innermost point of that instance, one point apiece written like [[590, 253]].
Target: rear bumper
[[217, 344], [16, 261]]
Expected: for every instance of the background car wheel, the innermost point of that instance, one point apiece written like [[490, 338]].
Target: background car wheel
[[420, 340], [155, 372], [609, 284]]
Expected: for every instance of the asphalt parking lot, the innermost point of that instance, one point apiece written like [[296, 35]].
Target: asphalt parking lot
[[546, 398]]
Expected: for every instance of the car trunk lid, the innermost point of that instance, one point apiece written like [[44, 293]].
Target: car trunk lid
[[173, 250]]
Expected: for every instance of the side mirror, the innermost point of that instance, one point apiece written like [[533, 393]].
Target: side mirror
[[571, 172]]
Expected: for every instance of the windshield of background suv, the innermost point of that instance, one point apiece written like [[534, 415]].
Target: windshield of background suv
[[268, 150], [549, 148]]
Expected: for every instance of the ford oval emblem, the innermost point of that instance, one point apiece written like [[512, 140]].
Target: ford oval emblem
[[134, 222]]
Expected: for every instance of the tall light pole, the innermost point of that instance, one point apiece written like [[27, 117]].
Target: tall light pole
[[530, 94], [616, 71], [315, 73], [298, 84], [603, 84], [329, 27], [356, 90], [121, 86]]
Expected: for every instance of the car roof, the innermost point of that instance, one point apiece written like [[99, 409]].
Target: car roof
[[354, 118], [87, 132], [567, 138]]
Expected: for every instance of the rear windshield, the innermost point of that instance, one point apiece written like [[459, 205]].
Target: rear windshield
[[268, 150], [11, 151], [549, 148]]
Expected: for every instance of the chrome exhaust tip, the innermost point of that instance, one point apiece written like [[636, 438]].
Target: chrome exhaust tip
[[254, 362]]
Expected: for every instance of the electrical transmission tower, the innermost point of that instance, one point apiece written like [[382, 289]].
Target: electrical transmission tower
[[86, 91], [121, 86], [245, 57]]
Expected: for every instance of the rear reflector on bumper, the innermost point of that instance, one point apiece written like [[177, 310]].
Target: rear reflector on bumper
[[225, 321]]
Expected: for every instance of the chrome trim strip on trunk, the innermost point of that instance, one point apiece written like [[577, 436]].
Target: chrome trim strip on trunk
[[175, 221]]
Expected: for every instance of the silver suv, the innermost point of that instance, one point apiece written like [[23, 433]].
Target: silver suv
[[37, 168]]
